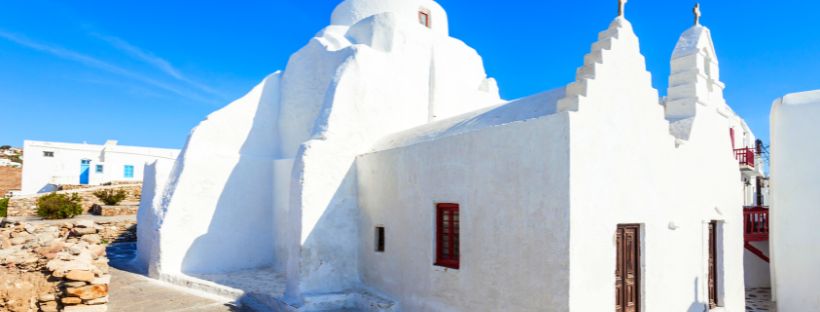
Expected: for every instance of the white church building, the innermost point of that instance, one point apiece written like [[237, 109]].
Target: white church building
[[381, 171]]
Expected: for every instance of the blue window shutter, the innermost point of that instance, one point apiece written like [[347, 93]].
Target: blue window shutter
[[129, 171]]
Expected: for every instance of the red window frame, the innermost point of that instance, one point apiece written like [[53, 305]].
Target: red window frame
[[447, 235], [424, 18]]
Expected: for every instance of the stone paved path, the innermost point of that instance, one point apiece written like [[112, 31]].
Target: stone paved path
[[130, 292], [759, 300]]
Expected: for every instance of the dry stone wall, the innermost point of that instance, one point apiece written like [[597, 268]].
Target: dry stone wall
[[58, 266], [25, 206]]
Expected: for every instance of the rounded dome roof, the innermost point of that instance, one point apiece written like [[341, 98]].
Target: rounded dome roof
[[351, 12]]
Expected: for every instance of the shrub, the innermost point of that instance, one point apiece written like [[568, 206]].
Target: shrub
[[4, 207], [111, 197], [59, 206]]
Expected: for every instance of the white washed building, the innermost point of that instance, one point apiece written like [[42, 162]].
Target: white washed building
[[382, 172], [795, 237], [50, 164]]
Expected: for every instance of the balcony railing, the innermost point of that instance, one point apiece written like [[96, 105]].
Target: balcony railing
[[756, 224], [746, 156]]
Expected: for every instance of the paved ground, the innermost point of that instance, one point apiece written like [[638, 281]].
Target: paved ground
[[132, 292], [759, 300]]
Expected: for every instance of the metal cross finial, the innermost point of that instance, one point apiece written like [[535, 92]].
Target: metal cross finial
[[696, 10], [621, 5]]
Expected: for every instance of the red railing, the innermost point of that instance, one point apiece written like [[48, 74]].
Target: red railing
[[755, 224], [746, 156]]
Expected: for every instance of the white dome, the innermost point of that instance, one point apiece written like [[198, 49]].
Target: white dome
[[351, 12]]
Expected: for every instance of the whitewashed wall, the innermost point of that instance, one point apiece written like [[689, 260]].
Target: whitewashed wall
[[626, 168], [218, 200], [511, 183], [44, 174], [149, 216], [795, 240], [375, 73]]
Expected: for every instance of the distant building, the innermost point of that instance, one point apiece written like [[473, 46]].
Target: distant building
[[8, 163], [50, 164]]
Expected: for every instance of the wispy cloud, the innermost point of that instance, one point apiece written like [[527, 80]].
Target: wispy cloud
[[100, 64], [157, 62]]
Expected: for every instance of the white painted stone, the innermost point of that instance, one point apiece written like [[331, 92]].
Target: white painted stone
[[794, 217], [378, 118], [43, 174]]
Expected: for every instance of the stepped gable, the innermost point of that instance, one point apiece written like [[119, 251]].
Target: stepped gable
[[616, 55]]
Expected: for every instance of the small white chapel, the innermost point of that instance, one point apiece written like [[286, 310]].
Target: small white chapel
[[381, 171]]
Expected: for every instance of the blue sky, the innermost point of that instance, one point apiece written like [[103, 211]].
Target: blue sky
[[146, 72]]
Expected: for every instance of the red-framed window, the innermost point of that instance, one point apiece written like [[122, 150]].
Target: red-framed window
[[424, 18], [447, 241]]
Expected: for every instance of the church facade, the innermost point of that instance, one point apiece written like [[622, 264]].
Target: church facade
[[381, 171]]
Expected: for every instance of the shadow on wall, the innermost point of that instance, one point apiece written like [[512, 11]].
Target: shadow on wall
[[240, 233], [329, 257], [48, 188], [697, 306]]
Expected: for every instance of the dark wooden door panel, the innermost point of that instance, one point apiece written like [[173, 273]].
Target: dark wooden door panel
[[627, 271], [712, 284]]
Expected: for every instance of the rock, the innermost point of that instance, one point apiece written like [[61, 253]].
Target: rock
[[74, 284], [85, 224], [68, 225], [48, 306], [92, 239], [102, 280], [20, 234], [71, 300], [45, 239], [87, 308], [18, 240], [5, 243], [88, 292], [84, 231], [78, 275], [52, 229], [46, 297], [97, 301], [97, 251], [29, 228], [51, 251], [65, 266], [76, 249]]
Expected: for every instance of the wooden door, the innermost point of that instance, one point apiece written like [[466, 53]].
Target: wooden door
[[713, 301], [627, 268]]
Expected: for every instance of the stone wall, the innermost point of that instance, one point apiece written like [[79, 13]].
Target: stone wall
[[24, 206], [10, 179], [57, 265]]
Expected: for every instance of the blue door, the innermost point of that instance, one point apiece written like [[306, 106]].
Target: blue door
[[84, 171]]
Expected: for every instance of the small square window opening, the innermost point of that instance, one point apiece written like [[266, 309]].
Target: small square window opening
[[424, 18], [48, 154], [129, 171], [380, 239]]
